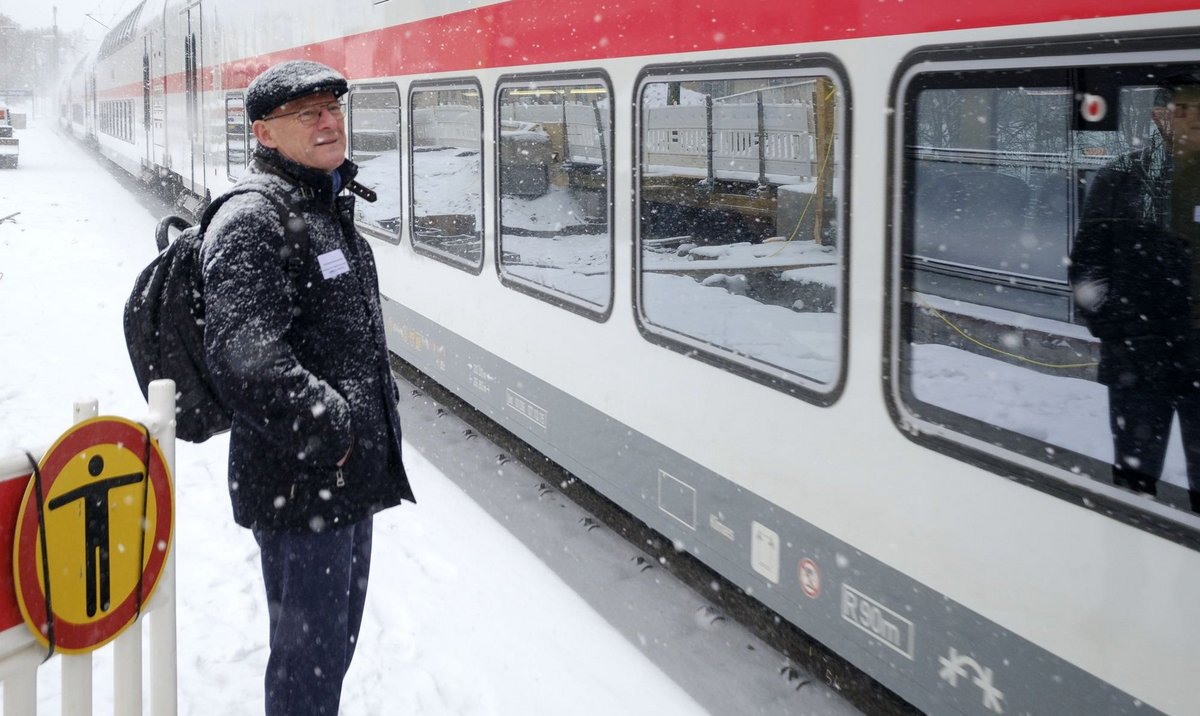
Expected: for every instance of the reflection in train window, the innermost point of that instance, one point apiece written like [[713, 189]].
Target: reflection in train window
[[1049, 251], [237, 137], [741, 181], [446, 126], [375, 147], [553, 177]]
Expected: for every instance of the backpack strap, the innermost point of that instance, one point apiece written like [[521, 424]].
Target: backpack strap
[[294, 227], [355, 188]]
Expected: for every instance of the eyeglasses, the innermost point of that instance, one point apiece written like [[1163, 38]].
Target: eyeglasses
[[311, 115]]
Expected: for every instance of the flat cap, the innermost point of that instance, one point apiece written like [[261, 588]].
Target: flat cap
[[291, 80]]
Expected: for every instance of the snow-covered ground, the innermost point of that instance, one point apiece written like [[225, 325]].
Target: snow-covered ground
[[461, 618]]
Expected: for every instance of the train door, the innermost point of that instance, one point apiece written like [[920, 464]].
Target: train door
[[193, 173], [147, 121], [89, 104], [155, 96]]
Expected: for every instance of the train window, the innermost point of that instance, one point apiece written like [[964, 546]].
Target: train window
[[1048, 264], [446, 128], [237, 138], [554, 178], [375, 147], [115, 118], [741, 188]]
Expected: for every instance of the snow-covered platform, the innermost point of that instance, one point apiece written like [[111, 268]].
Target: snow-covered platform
[[719, 663]]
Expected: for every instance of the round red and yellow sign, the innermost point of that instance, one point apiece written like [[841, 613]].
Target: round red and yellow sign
[[101, 563]]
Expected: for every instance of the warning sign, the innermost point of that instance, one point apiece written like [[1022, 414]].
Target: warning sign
[[91, 543]]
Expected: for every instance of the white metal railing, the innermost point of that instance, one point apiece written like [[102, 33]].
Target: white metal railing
[[21, 654], [675, 138], [582, 143], [447, 126]]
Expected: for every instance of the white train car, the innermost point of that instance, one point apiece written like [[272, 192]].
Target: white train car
[[787, 281], [76, 111]]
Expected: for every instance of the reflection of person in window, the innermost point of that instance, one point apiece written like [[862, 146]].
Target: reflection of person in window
[[1135, 261]]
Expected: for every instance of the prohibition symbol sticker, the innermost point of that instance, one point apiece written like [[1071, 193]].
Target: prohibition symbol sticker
[[96, 493], [810, 578]]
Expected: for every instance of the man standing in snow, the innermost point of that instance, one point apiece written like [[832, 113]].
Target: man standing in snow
[[295, 341]]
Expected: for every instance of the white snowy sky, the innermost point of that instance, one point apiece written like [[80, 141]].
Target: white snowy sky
[[72, 14]]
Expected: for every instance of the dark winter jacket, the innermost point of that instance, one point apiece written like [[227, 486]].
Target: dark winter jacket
[[301, 363], [1131, 275]]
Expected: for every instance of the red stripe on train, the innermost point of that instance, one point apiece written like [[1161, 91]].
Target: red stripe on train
[[528, 32]]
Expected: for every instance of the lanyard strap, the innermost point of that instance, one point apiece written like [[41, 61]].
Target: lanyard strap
[[142, 542], [41, 513]]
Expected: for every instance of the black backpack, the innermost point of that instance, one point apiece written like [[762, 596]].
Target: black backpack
[[164, 317]]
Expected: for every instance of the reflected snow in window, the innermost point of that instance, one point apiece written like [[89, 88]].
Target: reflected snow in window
[[447, 172], [555, 140], [374, 127], [741, 247]]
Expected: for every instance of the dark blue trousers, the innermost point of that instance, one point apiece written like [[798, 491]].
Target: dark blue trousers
[[316, 588]]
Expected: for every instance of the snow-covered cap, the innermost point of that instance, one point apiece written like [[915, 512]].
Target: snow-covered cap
[[286, 81]]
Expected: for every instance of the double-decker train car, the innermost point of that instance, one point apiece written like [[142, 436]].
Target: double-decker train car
[[790, 282]]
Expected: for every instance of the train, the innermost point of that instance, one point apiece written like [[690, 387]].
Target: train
[[788, 282]]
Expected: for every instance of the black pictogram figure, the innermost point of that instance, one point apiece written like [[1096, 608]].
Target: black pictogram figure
[[95, 513]]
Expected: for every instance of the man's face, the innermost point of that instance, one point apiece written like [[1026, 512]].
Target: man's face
[[310, 131], [1185, 118]]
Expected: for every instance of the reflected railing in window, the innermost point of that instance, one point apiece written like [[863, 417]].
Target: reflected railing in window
[[237, 137]]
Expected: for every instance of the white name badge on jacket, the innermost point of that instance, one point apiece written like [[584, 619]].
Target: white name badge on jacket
[[333, 264]]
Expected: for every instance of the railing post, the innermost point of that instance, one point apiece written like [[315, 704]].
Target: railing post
[[762, 146], [566, 131], [711, 175], [20, 694], [164, 675], [127, 671], [600, 135], [76, 673]]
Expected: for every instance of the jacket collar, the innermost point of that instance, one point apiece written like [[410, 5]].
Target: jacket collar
[[313, 183]]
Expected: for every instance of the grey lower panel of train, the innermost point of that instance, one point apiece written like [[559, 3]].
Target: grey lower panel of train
[[932, 651]]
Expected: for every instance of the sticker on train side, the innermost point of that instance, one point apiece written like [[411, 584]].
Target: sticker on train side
[[526, 408], [878, 621]]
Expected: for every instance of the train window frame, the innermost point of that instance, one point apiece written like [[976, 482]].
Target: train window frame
[[246, 136], [559, 299], [1047, 467], [420, 247], [381, 87], [817, 65]]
